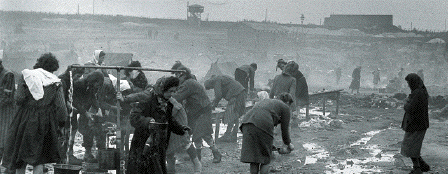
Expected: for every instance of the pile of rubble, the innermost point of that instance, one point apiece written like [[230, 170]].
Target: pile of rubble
[[372, 101]]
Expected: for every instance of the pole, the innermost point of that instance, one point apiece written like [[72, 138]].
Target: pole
[[125, 68], [118, 136]]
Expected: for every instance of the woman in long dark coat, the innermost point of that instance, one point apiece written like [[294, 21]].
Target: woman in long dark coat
[[356, 79], [32, 137], [415, 122], [153, 122]]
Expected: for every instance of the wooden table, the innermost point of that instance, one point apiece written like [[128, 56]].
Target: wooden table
[[325, 95]]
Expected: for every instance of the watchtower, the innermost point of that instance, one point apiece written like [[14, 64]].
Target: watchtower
[[194, 14]]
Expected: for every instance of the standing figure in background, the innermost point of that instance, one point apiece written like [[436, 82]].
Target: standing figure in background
[[338, 73], [356, 79], [421, 75], [7, 105], [98, 60], [301, 94], [258, 131], [199, 111], [228, 88], [245, 75], [400, 79], [32, 137], [415, 122], [376, 77]]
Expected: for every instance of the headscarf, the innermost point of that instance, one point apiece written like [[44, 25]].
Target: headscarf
[[37, 79], [291, 68], [96, 56], [415, 82]]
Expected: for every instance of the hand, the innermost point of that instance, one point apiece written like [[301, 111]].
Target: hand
[[120, 97]]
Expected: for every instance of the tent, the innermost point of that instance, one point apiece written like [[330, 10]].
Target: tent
[[221, 68]]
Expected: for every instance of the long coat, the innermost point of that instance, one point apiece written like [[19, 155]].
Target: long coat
[[7, 106], [153, 162], [416, 111], [32, 137]]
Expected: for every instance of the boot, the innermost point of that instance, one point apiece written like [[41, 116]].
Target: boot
[[416, 170], [198, 153], [216, 155], [192, 152], [423, 165], [170, 163]]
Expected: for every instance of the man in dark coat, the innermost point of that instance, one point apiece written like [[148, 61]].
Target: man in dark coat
[[7, 106], [245, 75], [228, 88], [84, 97]]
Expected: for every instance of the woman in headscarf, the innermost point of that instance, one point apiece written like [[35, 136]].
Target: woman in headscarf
[[32, 137], [153, 122], [415, 122]]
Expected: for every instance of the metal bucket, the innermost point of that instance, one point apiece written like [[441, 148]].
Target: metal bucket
[[66, 169], [109, 159]]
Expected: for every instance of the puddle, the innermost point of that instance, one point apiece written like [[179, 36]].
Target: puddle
[[371, 164]]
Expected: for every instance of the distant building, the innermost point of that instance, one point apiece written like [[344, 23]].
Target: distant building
[[359, 21], [253, 36]]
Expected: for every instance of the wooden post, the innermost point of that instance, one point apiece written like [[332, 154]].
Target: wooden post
[[324, 99], [337, 103], [217, 125]]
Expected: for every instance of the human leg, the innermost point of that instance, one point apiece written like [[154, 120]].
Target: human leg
[[87, 136], [191, 150], [417, 169], [254, 168], [423, 165], [216, 154], [264, 168]]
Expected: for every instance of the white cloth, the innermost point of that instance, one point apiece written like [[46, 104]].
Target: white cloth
[[37, 79], [124, 84], [96, 57]]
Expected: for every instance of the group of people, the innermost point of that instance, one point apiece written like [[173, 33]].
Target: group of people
[[167, 117]]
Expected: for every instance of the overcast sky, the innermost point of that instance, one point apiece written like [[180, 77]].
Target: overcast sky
[[423, 14]]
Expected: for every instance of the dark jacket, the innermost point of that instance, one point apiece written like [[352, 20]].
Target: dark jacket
[[267, 114], [283, 83], [224, 87], [250, 74], [416, 111], [194, 94]]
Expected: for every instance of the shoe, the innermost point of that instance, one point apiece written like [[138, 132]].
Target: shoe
[[424, 166], [216, 156], [416, 170]]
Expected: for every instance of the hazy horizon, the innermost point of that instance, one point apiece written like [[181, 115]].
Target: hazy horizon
[[420, 14]]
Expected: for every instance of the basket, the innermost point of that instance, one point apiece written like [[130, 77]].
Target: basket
[[66, 169], [109, 159]]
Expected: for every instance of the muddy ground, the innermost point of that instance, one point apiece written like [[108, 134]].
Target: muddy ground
[[368, 142]]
